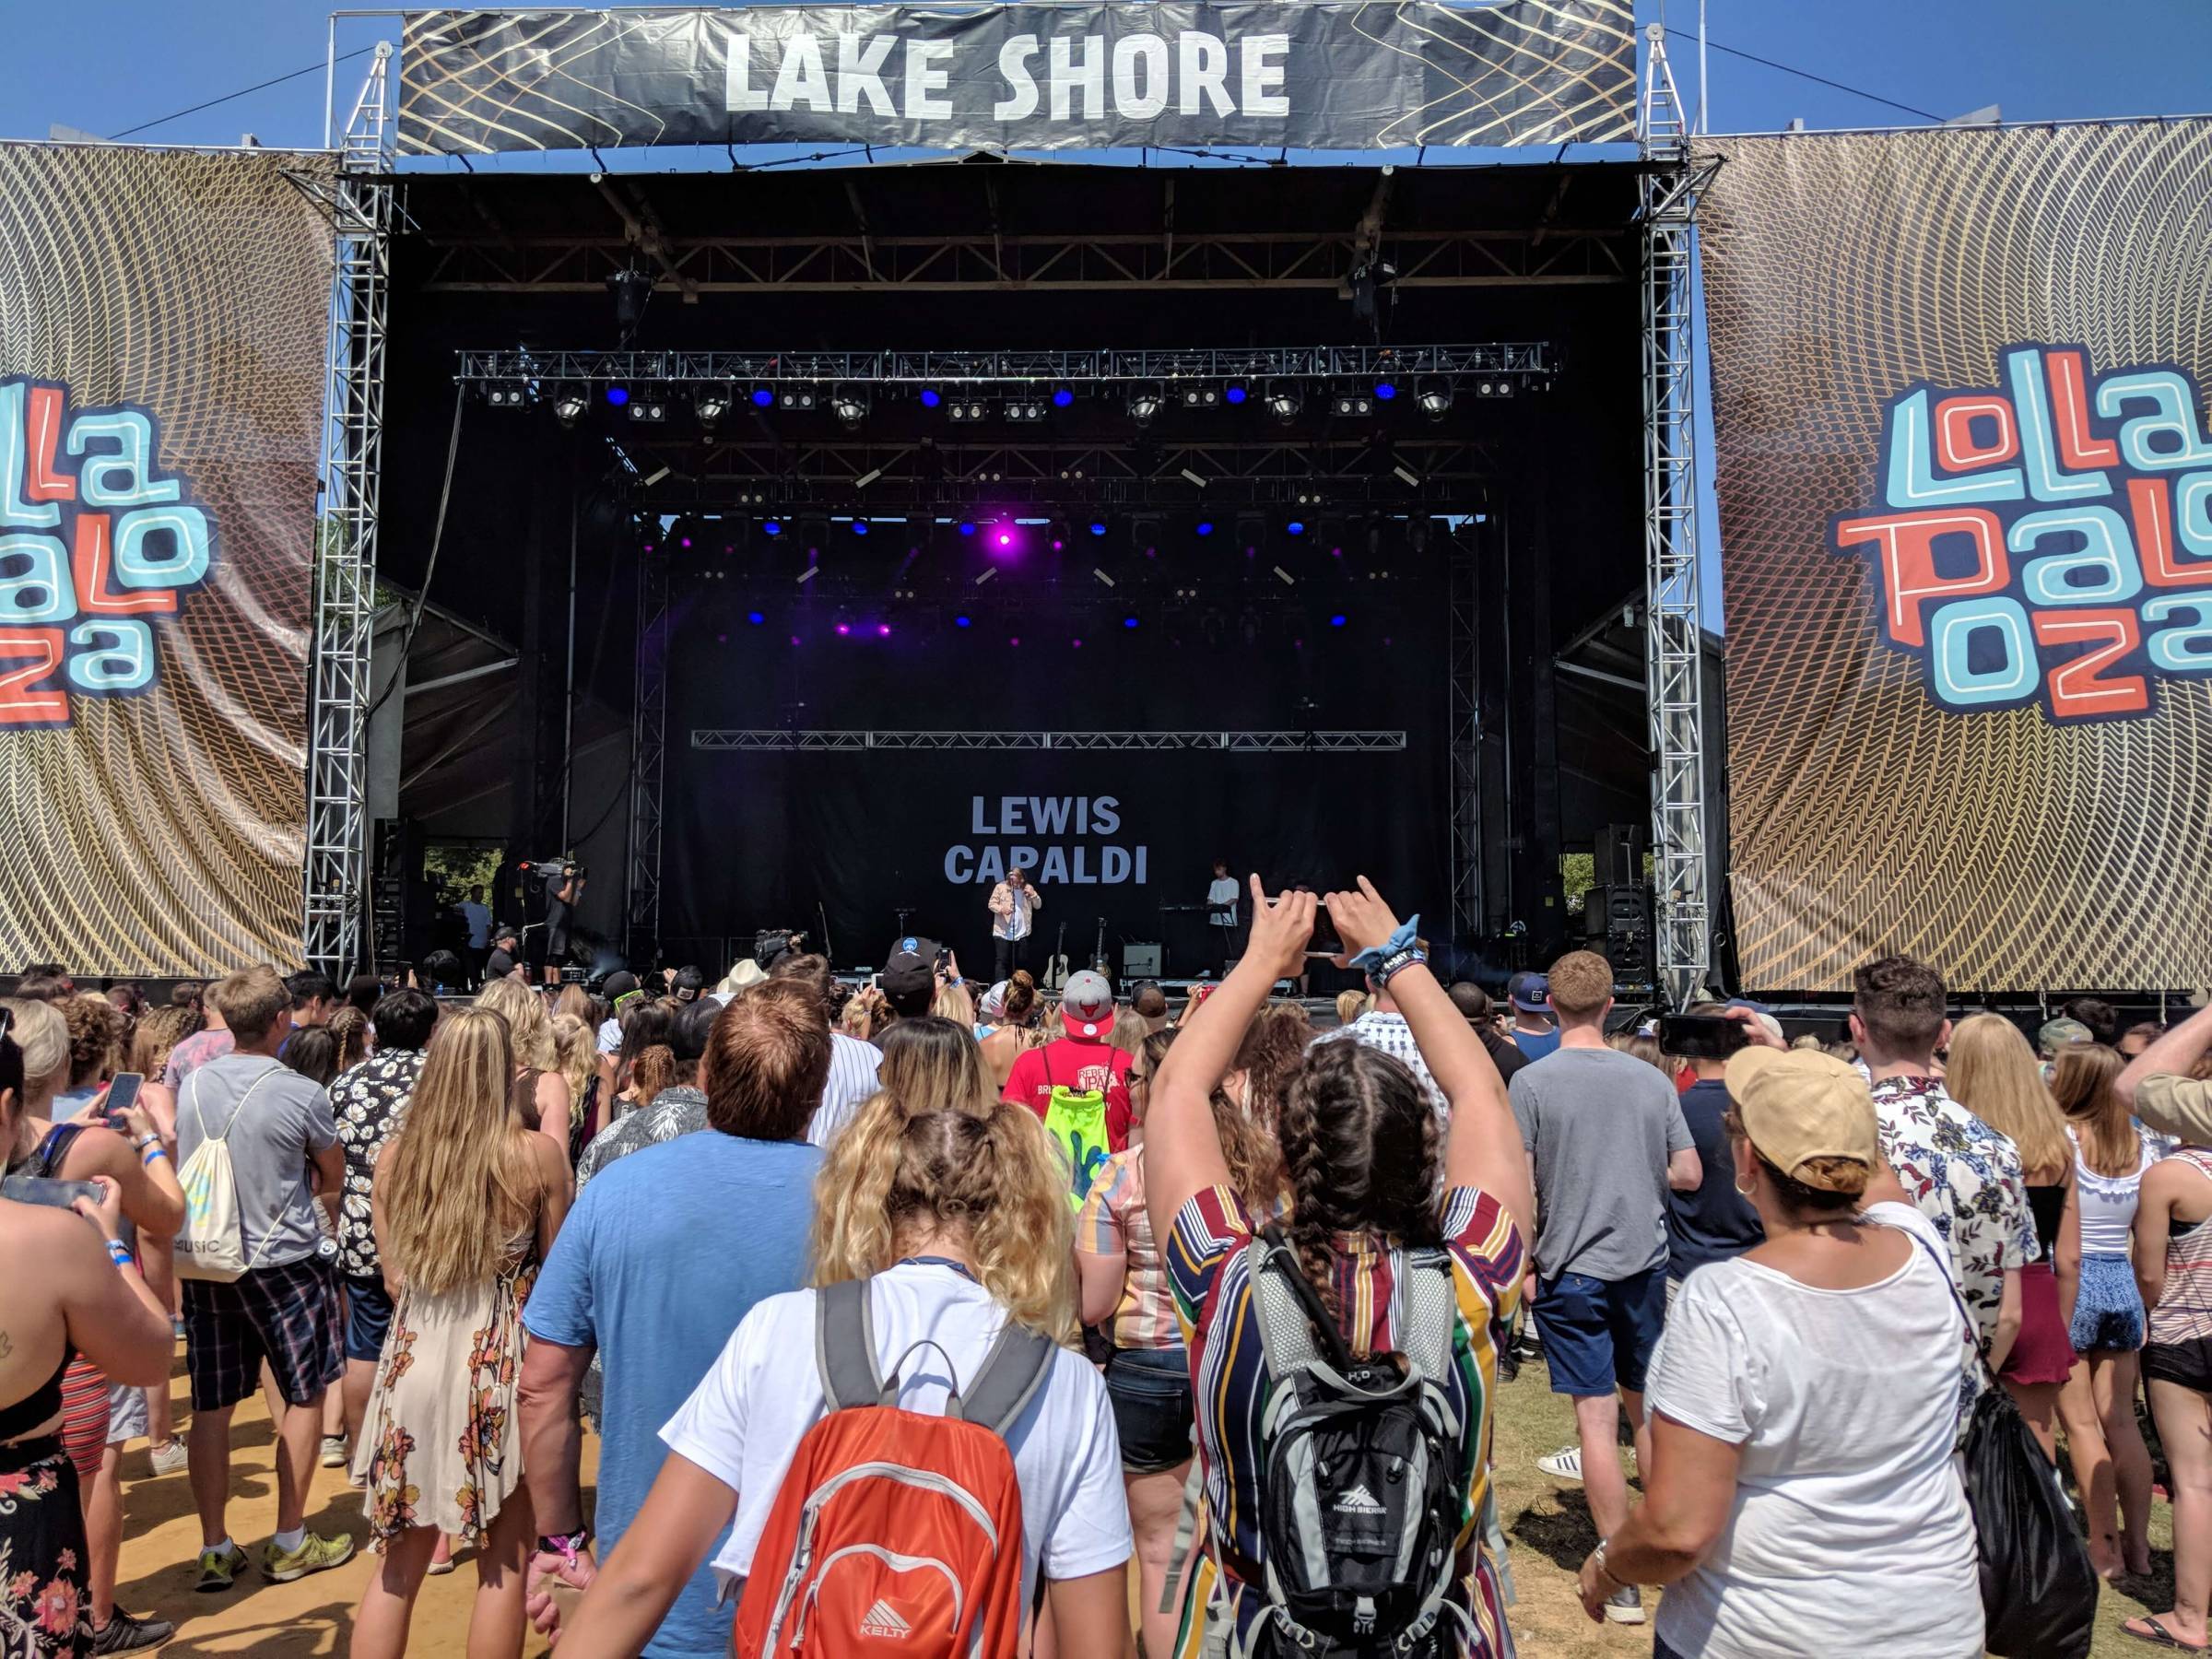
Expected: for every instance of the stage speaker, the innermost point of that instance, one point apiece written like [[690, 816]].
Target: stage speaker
[[1140, 961], [1618, 860], [1618, 921]]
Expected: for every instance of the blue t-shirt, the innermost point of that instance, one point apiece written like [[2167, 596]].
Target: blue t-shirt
[[1716, 1221], [1536, 1045], [666, 1251]]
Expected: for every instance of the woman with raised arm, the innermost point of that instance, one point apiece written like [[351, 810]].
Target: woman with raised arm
[[1379, 1203]]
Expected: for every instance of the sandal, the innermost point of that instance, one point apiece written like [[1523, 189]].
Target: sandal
[[2159, 1636]]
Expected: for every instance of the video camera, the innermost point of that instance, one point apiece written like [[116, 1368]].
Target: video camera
[[554, 872]]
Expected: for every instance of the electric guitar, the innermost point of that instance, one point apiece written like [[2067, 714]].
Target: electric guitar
[[1055, 966]]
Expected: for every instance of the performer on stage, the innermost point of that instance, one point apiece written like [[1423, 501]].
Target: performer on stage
[[1014, 907], [562, 893], [1221, 917]]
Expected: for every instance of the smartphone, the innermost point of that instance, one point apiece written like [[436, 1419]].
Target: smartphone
[[43, 1189], [122, 1094], [1702, 1036]]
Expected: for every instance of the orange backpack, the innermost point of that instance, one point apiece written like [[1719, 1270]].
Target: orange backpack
[[895, 1534]]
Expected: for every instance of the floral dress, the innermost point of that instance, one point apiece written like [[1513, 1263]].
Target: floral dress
[[441, 1445], [46, 1610]]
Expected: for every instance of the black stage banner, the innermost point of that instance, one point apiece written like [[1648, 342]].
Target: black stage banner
[[1323, 76]]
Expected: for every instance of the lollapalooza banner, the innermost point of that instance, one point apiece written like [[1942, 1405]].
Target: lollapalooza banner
[[1965, 484], [1355, 75], [162, 321]]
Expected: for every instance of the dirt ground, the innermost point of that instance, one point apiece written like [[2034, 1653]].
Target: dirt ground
[[1547, 1526]]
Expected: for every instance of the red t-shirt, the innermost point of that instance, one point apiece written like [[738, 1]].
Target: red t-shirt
[[1079, 1064]]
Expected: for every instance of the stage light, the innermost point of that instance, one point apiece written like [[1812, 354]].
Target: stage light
[[963, 621], [1295, 527], [1435, 398], [965, 409], [1201, 397], [632, 290], [568, 406], [764, 397], [797, 397], [1204, 527], [1355, 403], [755, 617], [931, 397], [1074, 644], [1063, 397], [850, 407], [711, 406], [1286, 401], [1025, 411], [506, 398], [648, 410], [1385, 391], [844, 628], [1336, 621], [1235, 395], [860, 526], [1146, 402], [1128, 621], [617, 395], [967, 528], [1097, 527], [883, 630], [770, 527], [1006, 538]]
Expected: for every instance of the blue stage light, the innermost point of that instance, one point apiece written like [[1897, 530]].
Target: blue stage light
[[617, 395], [1336, 621], [771, 528], [1385, 391], [931, 397], [763, 398], [1097, 527], [755, 617], [1063, 397], [1295, 528], [967, 528], [1128, 621], [963, 621], [1235, 395], [1206, 526], [860, 526]]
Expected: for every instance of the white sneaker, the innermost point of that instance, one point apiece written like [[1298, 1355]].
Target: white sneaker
[[1625, 1607], [168, 1459], [1566, 1463]]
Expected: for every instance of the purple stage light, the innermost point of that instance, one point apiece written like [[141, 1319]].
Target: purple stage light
[[883, 630], [795, 639], [844, 628], [1074, 644], [1006, 538]]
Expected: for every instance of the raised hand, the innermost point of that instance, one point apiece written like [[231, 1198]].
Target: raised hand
[[1362, 920], [1281, 929]]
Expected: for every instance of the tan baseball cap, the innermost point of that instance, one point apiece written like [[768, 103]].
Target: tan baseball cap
[[1799, 1104]]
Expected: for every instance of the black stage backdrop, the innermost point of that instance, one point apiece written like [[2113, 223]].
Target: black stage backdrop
[[757, 839], [1353, 75]]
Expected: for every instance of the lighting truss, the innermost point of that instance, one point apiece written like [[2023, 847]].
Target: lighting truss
[[1037, 372], [783, 740]]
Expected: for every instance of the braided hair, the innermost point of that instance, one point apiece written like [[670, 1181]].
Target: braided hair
[[1363, 1152]]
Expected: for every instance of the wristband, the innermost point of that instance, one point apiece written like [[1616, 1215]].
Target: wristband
[[156, 1151], [1397, 962], [119, 1252], [566, 1545], [145, 1140], [1375, 955]]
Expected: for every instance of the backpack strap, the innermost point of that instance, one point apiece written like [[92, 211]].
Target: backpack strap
[[1431, 1314], [54, 1151], [1012, 1372], [844, 1345], [275, 1066]]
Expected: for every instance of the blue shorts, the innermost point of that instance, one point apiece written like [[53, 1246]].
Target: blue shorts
[[2108, 1312], [367, 1316], [1150, 1392], [1598, 1333]]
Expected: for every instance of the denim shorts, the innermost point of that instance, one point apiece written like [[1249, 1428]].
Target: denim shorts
[[367, 1316], [1150, 1391], [2108, 1312], [1599, 1334]]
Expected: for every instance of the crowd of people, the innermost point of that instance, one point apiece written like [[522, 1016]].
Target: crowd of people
[[1207, 1297]]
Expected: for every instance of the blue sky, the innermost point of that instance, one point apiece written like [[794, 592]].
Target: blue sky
[[112, 64]]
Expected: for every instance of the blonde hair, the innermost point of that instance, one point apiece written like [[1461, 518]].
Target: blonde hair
[[1350, 1005], [42, 1033], [460, 1184], [1994, 1074], [1639, 1047], [953, 1002], [2102, 1123], [986, 1170], [527, 1024], [1130, 1030], [576, 1001], [578, 1046]]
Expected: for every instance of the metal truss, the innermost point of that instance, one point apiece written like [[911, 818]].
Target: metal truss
[[1462, 668], [782, 741], [648, 760], [1315, 473], [1674, 631], [496, 263], [336, 879], [535, 370]]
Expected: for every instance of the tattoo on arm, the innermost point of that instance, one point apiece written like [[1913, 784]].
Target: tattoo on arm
[[7, 1344]]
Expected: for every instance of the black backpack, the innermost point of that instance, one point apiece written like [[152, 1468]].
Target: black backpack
[[1361, 1497]]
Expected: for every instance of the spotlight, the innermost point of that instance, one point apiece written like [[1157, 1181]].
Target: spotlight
[[1385, 390], [844, 628], [764, 397], [963, 621], [1097, 527], [1204, 527], [631, 290], [617, 395], [931, 397], [883, 630], [1355, 403], [568, 406], [969, 410], [1061, 398], [506, 398], [1145, 402], [1128, 621], [1295, 527], [850, 407], [1286, 401], [1337, 621], [769, 527], [1435, 398], [1201, 397], [1234, 394], [966, 527], [711, 406], [797, 397], [755, 617], [1025, 410], [860, 526], [648, 410]]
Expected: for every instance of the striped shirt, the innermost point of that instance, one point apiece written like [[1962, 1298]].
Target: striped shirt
[[853, 1069], [2185, 1312], [1114, 1222], [1209, 1273]]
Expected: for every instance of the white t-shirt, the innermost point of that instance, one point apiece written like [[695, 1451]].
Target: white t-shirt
[[1849, 1532], [1221, 901], [744, 1421]]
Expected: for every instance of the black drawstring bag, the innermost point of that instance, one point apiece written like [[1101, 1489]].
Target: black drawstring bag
[[2039, 1591]]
